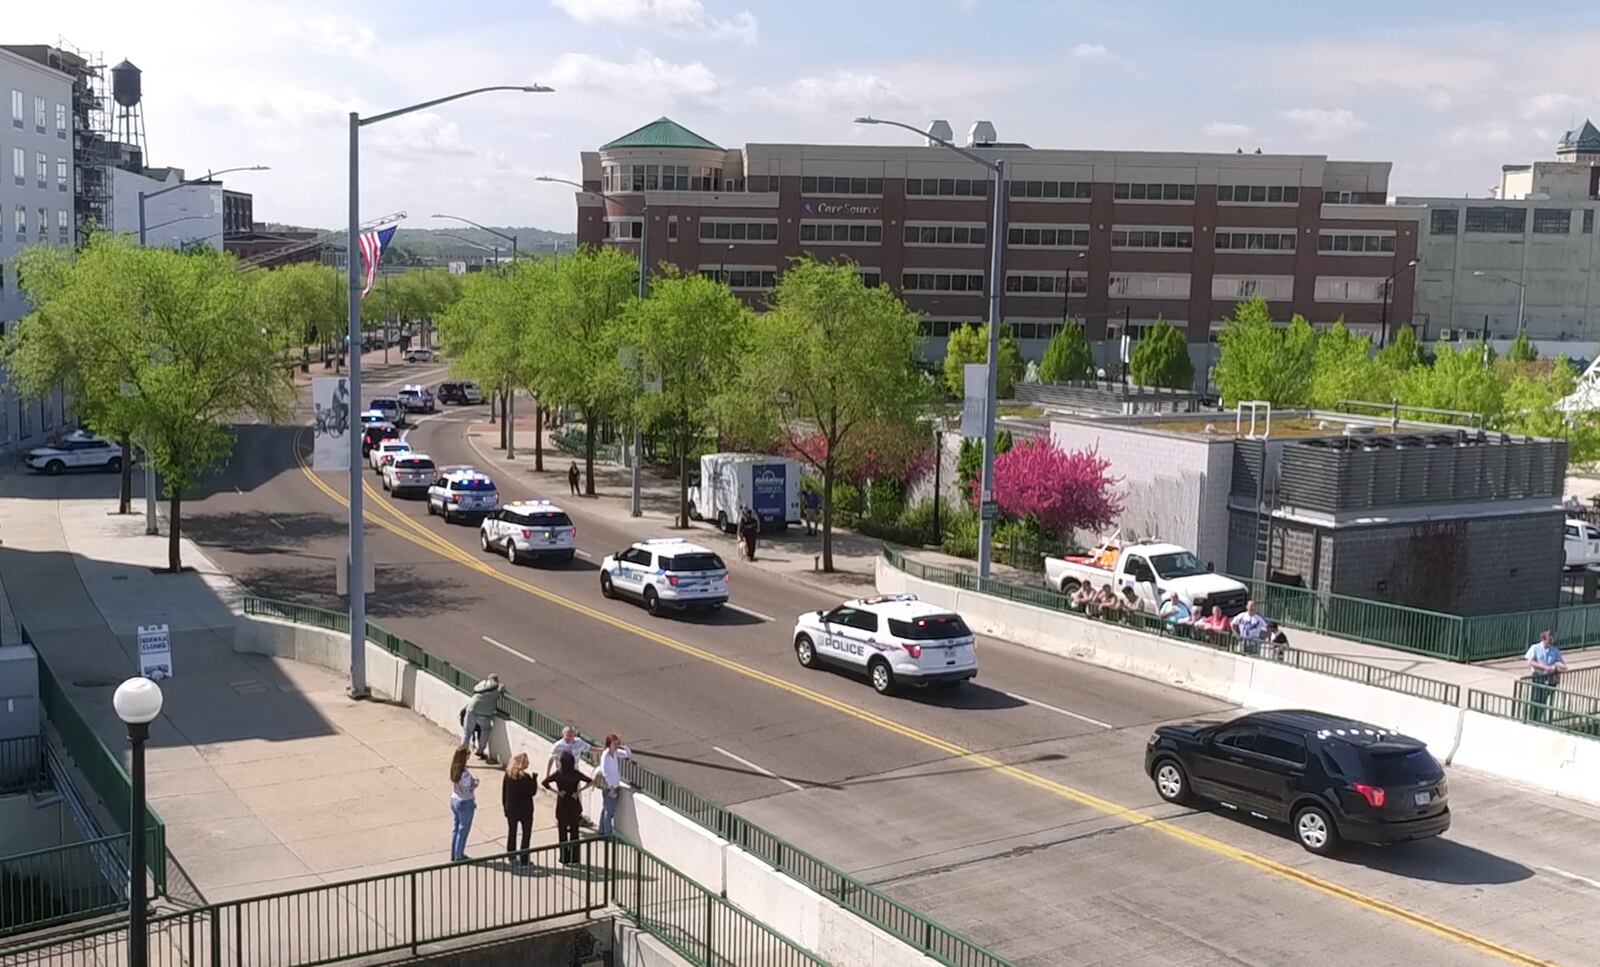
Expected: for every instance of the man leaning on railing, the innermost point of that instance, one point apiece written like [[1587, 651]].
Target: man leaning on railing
[[1545, 661]]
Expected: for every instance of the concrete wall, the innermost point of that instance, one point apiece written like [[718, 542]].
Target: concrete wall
[[1553, 761], [25, 827], [171, 221], [1175, 487]]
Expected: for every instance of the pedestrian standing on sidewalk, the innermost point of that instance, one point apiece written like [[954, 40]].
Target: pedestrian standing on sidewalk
[[517, 790], [609, 778], [568, 782], [572, 477], [463, 803], [480, 713], [749, 527], [570, 743], [1546, 664], [813, 512]]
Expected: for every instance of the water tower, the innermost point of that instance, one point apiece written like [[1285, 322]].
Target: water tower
[[127, 111]]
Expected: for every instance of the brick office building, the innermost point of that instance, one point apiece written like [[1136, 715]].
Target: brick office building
[[1106, 238]]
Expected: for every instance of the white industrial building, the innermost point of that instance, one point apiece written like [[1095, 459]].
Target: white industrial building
[[182, 216]]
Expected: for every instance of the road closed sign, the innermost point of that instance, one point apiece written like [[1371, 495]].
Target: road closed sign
[[155, 652]]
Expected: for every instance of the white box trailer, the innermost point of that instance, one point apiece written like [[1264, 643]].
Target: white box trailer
[[730, 482]]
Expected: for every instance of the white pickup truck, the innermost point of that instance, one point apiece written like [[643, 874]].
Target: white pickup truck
[[1581, 544], [1154, 570]]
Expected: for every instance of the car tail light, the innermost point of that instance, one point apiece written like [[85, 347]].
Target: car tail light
[[915, 651], [526, 533], [672, 579], [573, 533], [1374, 795], [455, 498]]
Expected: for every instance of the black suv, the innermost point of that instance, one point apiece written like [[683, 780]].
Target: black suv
[[460, 393], [1329, 778]]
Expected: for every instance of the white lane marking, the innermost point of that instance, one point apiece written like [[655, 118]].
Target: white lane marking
[[766, 772], [1573, 876], [1059, 711], [275, 523], [505, 648], [753, 614]]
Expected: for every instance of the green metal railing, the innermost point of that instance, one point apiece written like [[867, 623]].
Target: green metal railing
[[1345, 668], [1491, 636], [102, 770], [21, 764], [943, 944], [405, 911], [63, 883], [1431, 633], [1584, 681], [1544, 706]]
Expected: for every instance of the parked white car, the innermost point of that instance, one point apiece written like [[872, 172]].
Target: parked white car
[[419, 354], [1581, 543], [381, 455], [409, 473], [76, 451], [666, 572], [529, 529], [894, 639], [1154, 569]]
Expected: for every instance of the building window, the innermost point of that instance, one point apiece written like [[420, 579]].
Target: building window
[[947, 187], [840, 185], [1271, 288], [1588, 221], [1269, 240], [41, 169], [1069, 190], [19, 165], [43, 224], [61, 174], [871, 278], [1149, 286], [63, 225], [968, 235], [1142, 191], [1444, 221], [1169, 238], [941, 282], [1048, 236], [646, 177], [19, 217], [38, 115], [842, 233], [1046, 283], [1497, 220], [16, 108], [1258, 194], [742, 278], [61, 121], [1552, 221], [1349, 290], [721, 231], [1355, 243], [622, 229], [672, 228]]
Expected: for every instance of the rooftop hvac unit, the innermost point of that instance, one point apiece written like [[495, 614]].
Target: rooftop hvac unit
[[1359, 429], [938, 131], [981, 133], [1467, 335]]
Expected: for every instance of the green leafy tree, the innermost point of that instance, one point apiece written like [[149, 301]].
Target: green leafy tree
[[1402, 354], [1260, 361], [1522, 349], [1162, 358], [970, 344], [969, 462], [1459, 379], [832, 356], [1343, 369], [690, 334], [1068, 356], [305, 301]]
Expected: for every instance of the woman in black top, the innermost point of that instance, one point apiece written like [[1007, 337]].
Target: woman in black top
[[568, 782], [516, 799]]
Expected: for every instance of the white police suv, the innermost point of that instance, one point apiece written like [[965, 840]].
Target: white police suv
[[894, 638], [409, 473], [666, 572], [462, 492], [529, 529]]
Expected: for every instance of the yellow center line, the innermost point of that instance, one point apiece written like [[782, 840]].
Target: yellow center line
[[409, 529]]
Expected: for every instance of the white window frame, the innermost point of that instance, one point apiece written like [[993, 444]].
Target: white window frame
[[61, 121], [1361, 233], [612, 220], [1338, 289], [834, 223], [1274, 288], [937, 271], [1148, 285], [16, 108], [39, 114]]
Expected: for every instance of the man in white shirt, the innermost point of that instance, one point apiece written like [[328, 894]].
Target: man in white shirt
[[610, 780], [570, 741]]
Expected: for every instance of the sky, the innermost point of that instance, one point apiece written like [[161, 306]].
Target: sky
[[1448, 90]]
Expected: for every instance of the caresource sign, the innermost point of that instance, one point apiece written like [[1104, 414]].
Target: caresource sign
[[839, 208]]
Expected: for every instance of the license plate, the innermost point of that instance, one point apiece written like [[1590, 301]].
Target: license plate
[[1423, 798], [549, 538]]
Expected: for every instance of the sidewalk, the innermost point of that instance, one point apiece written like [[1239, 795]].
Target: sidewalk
[[268, 777], [855, 555]]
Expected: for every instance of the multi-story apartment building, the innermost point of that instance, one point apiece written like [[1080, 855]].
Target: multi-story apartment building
[[1111, 239], [36, 207]]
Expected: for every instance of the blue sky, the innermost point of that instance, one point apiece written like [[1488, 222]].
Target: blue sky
[[1448, 91]]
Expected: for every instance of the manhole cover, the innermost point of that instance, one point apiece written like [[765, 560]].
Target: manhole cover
[[93, 683]]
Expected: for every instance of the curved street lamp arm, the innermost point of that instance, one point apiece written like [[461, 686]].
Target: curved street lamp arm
[[526, 89], [186, 182], [481, 228], [986, 162]]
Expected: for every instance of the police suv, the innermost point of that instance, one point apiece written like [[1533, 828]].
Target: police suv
[[409, 473], [666, 572], [526, 529], [462, 492], [894, 638]]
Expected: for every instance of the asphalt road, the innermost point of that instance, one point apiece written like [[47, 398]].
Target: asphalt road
[[1013, 809]]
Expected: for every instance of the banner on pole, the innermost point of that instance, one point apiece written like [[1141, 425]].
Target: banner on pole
[[330, 395], [972, 401]]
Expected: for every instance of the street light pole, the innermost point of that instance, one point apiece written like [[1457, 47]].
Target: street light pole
[[986, 508], [484, 228], [356, 564], [137, 702], [1522, 294], [1388, 287]]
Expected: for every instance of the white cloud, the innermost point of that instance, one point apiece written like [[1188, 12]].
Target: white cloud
[[1324, 124], [331, 35], [1227, 129], [841, 92], [1558, 106], [646, 77], [687, 17], [1090, 52], [1484, 133]]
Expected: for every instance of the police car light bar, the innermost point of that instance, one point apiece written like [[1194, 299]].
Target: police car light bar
[[886, 598]]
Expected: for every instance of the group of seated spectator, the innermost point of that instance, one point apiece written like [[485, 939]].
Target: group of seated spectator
[[1259, 635]]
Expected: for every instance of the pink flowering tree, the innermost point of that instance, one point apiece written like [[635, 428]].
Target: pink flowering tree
[[1060, 490]]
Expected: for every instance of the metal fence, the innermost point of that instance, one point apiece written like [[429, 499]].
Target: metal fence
[[1584, 681], [102, 770], [21, 764], [405, 911], [1345, 668], [1509, 635], [940, 942], [1543, 706], [63, 883], [1432, 633]]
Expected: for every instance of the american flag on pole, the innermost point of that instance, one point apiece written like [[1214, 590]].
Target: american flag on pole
[[372, 245]]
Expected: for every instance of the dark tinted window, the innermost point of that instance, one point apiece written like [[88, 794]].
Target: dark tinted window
[[929, 627], [1241, 738], [1281, 745], [411, 463], [479, 485], [547, 519], [1399, 768], [863, 621], [637, 556], [692, 562]]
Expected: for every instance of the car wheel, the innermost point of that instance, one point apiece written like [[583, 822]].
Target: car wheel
[[511, 551], [386, 486], [1172, 783], [114, 465], [1314, 828], [430, 508], [483, 539], [1069, 586], [652, 602], [882, 677], [54, 467], [722, 521], [606, 590], [567, 557], [805, 652]]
